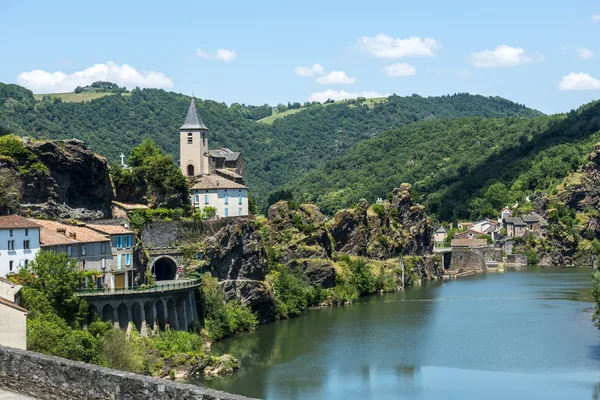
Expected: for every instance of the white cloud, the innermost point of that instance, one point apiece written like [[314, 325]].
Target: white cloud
[[595, 18], [220, 55], [399, 69], [503, 56], [580, 81], [464, 74], [585, 54], [383, 46], [123, 75], [336, 78], [342, 95], [315, 69]]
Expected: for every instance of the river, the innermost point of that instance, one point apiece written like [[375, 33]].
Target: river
[[514, 335]]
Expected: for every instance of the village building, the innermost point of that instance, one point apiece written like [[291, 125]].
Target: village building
[[506, 212], [528, 223], [217, 179], [122, 210], [107, 249], [464, 225], [468, 234], [439, 235], [19, 243], [13, 318]]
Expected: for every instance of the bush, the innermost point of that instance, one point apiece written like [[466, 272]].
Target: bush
[[379, 209], [115, 351], [292, 293]]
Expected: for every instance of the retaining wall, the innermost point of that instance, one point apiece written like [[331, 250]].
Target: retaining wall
[[52, 378]]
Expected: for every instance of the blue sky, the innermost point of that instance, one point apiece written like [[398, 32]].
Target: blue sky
[[545, 54]]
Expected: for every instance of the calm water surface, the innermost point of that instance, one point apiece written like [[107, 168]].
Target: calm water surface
[[489, 336]]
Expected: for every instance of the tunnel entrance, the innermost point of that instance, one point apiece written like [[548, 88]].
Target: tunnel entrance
[[164, 269]]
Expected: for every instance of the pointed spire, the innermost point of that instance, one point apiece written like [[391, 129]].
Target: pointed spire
[[192, 120]]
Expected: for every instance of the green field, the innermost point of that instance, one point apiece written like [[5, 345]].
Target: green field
[[77, 97], [277, 115]]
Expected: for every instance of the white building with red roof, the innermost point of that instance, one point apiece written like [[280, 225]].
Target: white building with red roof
[[19, 243]]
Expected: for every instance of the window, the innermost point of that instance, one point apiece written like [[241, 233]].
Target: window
[[11, 245], [10, 265], [196, 200], [203, 139], [226, 198], [103, 248], [128, 241], [82, 250], [70, 250], [240, 211], [128, 259], [190, 138], [26, 263], [190, 170], [205, 199], [26, 232], [119, 263], [25, 244], [103, 263], [119, 240], [227, 212], [240, 199], [10, 233]]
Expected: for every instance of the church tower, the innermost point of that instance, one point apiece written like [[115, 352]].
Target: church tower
[[193, 144]]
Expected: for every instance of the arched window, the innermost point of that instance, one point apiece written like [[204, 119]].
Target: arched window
[[190, 170], [190, 138]]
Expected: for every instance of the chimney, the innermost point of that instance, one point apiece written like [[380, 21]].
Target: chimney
[[62, 231], [73, 235]]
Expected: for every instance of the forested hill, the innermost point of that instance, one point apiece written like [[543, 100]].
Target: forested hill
[[461, 168], [275, 154]]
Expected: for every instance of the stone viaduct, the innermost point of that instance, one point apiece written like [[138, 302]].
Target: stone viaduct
[[170, 305]]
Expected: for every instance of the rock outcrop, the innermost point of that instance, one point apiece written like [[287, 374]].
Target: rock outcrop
[[384, 230], [61, 179]]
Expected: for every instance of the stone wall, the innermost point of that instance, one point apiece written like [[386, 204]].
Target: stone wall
[[52, 378]]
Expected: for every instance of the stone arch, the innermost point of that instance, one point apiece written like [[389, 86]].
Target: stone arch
[[181, 314], [136, 315], [172, 314], [92, 314], [164, 268], [161, 315], [149, 313], [190, 169], [108, 313], [123, 315]]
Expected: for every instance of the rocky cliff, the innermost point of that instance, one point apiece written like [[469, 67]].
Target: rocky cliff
[[61, 179]]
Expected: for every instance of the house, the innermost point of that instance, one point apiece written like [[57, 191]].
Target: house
[[216, 176], [483, 225], [122, 210], [122, 243], [439, 235], [13, 318], [515, 227], [506, 212], [468, 234], [108, 250], [464, 225], [19, 243], [535, 223]]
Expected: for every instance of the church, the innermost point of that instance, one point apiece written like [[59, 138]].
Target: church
[[216, 175]]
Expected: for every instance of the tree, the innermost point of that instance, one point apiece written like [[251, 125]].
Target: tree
[[78, 89], [281, 107]]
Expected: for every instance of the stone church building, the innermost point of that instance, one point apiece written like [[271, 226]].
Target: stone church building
[[217, 175]]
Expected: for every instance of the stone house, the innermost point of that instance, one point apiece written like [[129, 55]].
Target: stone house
[[515, 227], [19, 243], [122, 210], [439, 235], [225, 162], [464, 225], [528, 223], [13, 318], [468, 234]]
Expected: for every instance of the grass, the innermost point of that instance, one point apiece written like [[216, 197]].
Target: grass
[[76, 97], [277, 115]]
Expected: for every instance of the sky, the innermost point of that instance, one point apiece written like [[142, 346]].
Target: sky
[[544, 54]]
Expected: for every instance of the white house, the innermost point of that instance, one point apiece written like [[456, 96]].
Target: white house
[[229, 198], [13, 318], [19, 243]]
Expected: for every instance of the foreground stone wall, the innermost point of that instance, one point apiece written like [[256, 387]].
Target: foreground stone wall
[[53, 378]]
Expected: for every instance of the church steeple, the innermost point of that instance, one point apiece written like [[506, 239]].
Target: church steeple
[[193, 144], [192, 119]]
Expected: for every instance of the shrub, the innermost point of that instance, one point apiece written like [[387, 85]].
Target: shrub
[[379, 209]]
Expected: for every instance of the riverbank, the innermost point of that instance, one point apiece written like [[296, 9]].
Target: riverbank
[[429, 341]]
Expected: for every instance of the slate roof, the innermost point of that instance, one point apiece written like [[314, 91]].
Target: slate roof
[[16, 221], [192, 119], [441, 229], [225, 153], [216, 182], [515, 221], [533, 218]]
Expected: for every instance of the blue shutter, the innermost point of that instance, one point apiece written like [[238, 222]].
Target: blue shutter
[[226, 199], [128, 241], [205, 199], [119, 262], [227, 212], [128, 259]]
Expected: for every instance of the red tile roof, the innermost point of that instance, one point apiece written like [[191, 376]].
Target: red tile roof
[[50, 236], [16, 221], [110, 229], [215, 182]]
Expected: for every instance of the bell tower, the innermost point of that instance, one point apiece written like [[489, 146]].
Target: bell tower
[[193, 144]]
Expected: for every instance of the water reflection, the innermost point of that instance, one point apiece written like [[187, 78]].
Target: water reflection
[[389, 346]]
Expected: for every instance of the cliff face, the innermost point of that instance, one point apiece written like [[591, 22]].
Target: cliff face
[[384, 230], [60, 179]]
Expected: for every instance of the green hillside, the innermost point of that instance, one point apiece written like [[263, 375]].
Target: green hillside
[[275, 154], [465, 167], [75, 97]]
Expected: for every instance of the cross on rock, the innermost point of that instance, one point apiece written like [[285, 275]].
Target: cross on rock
[[122, 159]]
